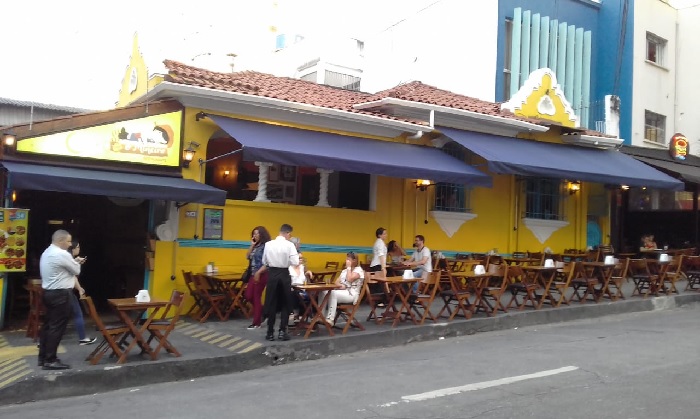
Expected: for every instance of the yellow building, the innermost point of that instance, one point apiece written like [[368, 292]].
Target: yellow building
[[469, 175]]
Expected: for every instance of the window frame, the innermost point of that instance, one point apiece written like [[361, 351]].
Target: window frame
[[544, 199], [461, 191], [659, 49], [658, 129]]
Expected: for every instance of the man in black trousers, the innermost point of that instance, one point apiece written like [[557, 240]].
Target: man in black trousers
[[58, 270], [278, 256]]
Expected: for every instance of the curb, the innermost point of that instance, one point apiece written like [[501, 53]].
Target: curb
[[83, 382]]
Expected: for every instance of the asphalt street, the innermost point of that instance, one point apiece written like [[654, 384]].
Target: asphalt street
[[638, 365]]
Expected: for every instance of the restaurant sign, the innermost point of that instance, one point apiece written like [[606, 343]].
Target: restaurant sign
[[151, 140], [13, 239], [679, 147]]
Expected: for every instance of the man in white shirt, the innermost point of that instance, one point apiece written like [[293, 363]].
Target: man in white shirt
[[278, 256], [58, 270], [421, 261]]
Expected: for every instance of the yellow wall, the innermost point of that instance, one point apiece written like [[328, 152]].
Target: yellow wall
[[400, 208]]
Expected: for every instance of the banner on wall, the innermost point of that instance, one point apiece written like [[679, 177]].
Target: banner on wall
[[151, 140], [13, 239]]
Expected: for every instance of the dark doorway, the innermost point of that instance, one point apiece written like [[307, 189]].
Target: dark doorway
[[111, 231]]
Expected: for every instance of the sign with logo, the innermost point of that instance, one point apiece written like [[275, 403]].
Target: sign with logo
[[13, 239], [151, 140], [213, 224], [679, 148]]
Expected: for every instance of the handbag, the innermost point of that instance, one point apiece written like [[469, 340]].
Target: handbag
[[247, 274]]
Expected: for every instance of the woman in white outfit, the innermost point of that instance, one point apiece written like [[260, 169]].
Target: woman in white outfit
[[350, 281]]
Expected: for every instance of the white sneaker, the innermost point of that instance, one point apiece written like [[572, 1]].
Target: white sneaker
[[87, 341]]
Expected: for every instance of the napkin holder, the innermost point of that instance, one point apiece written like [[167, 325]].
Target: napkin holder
[[479, 269], [549, 263], [609, 260], [408, 274], [663, 257], [143, 297]]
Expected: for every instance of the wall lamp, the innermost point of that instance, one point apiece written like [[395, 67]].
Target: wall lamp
[[574, 187], [226, 173], [188, 153], [624, 187], [199, 115], [422, 184], [9, 140]]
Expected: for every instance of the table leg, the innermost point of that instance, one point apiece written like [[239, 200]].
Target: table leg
[[319, 317], [137, 333]]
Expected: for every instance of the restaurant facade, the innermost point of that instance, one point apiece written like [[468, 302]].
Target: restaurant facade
[[179, 177]]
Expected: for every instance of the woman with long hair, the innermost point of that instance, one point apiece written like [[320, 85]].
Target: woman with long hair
[[83, 339], [258, 273]]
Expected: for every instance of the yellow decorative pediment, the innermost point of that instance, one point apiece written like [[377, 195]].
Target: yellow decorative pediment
[[542, 97], [134, 83]]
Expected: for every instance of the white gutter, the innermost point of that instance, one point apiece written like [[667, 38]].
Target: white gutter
[[174, 89], [528, 126], [591, 141]]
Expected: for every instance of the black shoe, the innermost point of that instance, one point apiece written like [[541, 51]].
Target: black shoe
[[270, 336], [283, 335], [56, 365], [41, 363]]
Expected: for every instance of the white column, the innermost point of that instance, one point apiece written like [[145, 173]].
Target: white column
[[263, 169], [323, 188]]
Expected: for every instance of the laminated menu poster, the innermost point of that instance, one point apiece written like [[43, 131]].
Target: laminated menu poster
[[13, 239]]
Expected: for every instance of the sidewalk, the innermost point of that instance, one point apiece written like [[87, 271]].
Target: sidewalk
[[215, 348]]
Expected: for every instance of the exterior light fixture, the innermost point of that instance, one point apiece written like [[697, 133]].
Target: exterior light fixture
[[9, 140], [624, 187], [422, 184], [226, 173], [188, 153], [574, 187]]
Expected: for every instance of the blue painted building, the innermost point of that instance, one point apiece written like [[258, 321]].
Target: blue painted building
[[587, 43]]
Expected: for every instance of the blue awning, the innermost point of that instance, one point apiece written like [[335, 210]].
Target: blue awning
[[516, 156], [25, 176], [298, 147]]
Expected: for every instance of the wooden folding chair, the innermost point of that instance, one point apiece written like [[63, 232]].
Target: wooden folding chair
[[692, 272], [671, 274], [619, 275], [583, 284], [420, 303], [376, 299], [160, 328], [212, 302], [348, 311], [332, 265], [36, 309], [561, 284], [644, 280], [520, 285], [198, 302], [491, 294], [111, 334], [458, 296]]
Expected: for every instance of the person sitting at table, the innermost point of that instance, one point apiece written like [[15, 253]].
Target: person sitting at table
[[299, 277], [395, 252], [648, 242], [350, 281], [421, 261], [259, 236]]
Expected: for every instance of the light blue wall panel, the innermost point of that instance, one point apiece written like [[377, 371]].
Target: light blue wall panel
[[586, 80], [570, 39], [578, 71], [515, 52], [561, 54], [525, 48], [534, 43], [553, 48], [544, 42]]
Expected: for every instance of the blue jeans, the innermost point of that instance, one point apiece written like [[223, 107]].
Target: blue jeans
[[417, 273], [77, 316]]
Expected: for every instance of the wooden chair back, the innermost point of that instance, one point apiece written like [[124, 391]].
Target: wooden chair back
[[348, 311], [111, 333], [189, 283], [423, 301], [332, 265], [212, 302], [36, 308], [375, 295], [160, 329], [456, 298]]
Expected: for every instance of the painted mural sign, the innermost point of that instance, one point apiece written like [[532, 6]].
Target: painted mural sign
[[151, 140], [679, 147], [13, 239]]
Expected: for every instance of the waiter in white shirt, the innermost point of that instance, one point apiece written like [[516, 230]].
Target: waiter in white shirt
[[278, 256], [58, 270]]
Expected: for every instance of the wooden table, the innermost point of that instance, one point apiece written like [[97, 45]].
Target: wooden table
[[314, 307], [477, 282], [520, 261], [130, 313], [543, 276], [230, 284], [401, 288]]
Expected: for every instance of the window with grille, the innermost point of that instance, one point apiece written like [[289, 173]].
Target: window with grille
[[453, 197], [543, 199], [656, 46], [654, 127], [344, 81]]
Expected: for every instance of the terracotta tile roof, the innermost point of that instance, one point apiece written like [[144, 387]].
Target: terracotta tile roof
[[310, 93], [416, 91], [267, 85]]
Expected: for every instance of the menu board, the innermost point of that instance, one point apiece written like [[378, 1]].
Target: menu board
[[213, 224], [13, 239]]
